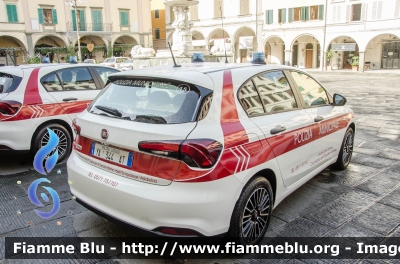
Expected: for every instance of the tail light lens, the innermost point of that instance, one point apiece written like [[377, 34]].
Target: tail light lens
[[76, 127], [9, 107], [201, 153]]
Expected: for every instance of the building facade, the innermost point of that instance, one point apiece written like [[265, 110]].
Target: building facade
[[300, 33], [158, 24], [50, 28]]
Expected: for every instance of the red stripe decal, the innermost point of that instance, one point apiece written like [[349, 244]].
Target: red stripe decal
[[231, 126], [32, 95]]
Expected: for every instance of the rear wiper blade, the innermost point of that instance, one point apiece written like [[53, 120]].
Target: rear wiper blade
[[109, 110]]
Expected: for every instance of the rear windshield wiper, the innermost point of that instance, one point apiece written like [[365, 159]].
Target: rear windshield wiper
[[150, 119], [109, 110]]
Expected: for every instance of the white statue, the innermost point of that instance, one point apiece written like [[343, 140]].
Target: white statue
[[182, 22], [183, 50], [139, 52], [219, 50]]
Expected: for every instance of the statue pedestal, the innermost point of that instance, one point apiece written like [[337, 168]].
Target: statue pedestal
[[182, 38]]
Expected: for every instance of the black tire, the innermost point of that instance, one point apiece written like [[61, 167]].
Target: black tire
[[346, 151], [65, 145], [248, 228]]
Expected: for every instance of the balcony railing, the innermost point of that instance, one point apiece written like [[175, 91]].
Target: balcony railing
[[91, 27]]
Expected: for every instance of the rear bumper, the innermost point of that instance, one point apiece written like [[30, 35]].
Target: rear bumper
[[203, 207]]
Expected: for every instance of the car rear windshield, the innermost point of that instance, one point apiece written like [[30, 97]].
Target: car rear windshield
[[156, 101], [8, 82]]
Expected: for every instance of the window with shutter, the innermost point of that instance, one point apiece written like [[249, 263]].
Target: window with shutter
[[194, 12], [334, 11], [374, 9], [363, 12], [40, 16], [290, 15], [157, 33], [297, 13], [356, 12], [339, 14], [282, 13], [55, 18], [271, 16], [218, 6], [73, 18], [156, 13], [12, 13], [124, 17], [306, 13], [379, 13], [397, 9], [321, 11], [244, 7], [269, 19], [97, 20], [82, 20], [348, 13]]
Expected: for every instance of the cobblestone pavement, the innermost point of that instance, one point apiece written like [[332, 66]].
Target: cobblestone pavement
[[361, 201]]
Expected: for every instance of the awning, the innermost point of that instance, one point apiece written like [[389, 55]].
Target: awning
[[246, 42], [344, 46]]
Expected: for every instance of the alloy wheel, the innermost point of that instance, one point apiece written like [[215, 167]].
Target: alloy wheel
[[62, 146], [348, 148]]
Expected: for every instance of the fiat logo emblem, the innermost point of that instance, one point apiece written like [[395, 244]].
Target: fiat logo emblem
[[104, 133]]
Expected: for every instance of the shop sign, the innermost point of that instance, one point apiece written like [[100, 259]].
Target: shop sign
[[344, 47]]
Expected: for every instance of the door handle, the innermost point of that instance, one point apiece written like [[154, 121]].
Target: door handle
[[318, 119], [70, 99], [277, 129]]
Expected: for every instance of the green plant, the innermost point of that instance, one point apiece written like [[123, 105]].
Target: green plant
[[33, 60], [109, 50], [354, 61], [329, 55], [70, 52]]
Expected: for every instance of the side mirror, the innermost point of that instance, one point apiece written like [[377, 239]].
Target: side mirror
[[339, 100]]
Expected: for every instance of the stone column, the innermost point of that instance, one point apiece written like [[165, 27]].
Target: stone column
[[361, 61], [287, 57]]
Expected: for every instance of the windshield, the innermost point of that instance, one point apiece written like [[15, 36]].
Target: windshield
[[8, 82], [158, 101]]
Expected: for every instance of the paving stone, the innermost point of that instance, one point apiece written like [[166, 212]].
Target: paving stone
[[388, 136], [390, 154], [372, 161], [274, 225], [349, 229], [380, 183], [303, 228], [379, 218], [342, 209], [392, 199], [389, 130], [304, 199], [351, 176]]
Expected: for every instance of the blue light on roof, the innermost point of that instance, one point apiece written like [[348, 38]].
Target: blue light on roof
[[258, 58], [198, 57], [45, 60], [73, 59]]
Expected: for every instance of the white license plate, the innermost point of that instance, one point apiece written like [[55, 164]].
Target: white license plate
[[114, 155]]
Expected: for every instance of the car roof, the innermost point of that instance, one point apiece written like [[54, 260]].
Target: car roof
[[195, 72]]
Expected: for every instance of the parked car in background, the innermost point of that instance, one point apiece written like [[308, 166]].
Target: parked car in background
[[90, 61], [126, 65], [35, 97], [113, 61], [206, 148]]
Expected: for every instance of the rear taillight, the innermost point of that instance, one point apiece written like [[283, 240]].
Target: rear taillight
[[201, 153], [9, 107], [76, 127]]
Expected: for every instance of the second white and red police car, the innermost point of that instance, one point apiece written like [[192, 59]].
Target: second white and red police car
[[36, 97], [206, 149]]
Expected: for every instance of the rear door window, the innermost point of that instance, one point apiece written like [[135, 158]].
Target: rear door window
[[8, 82], [77, 79], [104, 72], [52, 83], [157, 101]]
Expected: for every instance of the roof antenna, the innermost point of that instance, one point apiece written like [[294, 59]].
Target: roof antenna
[[175, 65], [223, 34]]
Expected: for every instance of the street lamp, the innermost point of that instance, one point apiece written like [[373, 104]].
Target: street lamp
[[73, 4]]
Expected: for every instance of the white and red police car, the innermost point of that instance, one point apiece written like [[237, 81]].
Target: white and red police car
[[36, 97], [206, 148]]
